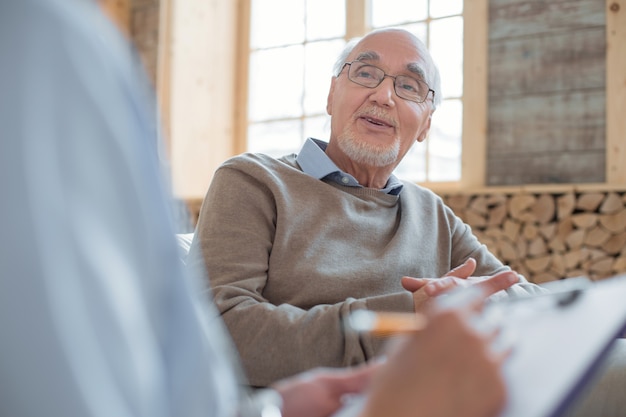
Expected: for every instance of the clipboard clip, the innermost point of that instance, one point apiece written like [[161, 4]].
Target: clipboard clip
[[499, 314], [565, 291]]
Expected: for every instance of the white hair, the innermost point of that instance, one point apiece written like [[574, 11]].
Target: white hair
[[434, 80]]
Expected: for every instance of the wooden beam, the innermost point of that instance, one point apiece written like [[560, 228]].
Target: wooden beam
[[203, 49], [164, 65], [356, 18], [475, 88], [616, 91], [242, 69]]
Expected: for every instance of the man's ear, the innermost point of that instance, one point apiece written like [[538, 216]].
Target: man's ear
[[426, 130], [329, 99]]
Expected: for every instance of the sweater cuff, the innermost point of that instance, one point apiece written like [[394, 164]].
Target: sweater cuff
[[401, 302]]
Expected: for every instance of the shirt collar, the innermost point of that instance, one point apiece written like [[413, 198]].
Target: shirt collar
[[314, 162]]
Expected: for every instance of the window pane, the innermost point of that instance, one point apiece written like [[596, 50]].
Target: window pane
[[446, 46], [325, 19], [444, 169], [289, 84], [276, 83], [394, 12], [442, 8], [413, 165], [276, 138], [318, 68], [444, 145], [265, 22], [317, 127]]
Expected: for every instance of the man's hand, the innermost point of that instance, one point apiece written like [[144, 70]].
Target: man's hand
[[424, 289]]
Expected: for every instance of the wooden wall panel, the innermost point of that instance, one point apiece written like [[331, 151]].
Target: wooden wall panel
[[514, 18], [538, 64], [548, 167], [547, 92], [547, 123]]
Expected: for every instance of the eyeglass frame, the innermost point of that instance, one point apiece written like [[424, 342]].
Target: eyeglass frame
[[393, 77]]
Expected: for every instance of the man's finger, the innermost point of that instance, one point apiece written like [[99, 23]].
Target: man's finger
[[413, 284], [498, 282], [440, 286], [466, 269]]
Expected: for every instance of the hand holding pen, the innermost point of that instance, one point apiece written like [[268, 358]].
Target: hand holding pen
[[442, 366]]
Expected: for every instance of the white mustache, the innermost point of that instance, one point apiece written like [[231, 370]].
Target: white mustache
[[377, 113]]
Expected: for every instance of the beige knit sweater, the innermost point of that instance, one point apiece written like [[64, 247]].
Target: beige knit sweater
[[289, 256]]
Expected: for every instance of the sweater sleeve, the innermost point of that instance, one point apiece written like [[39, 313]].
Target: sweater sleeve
[[235, 238]]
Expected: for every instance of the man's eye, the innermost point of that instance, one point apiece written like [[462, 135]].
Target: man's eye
[[364, 73], [409, 87]]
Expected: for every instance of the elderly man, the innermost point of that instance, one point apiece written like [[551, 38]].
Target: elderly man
[[292, 245]]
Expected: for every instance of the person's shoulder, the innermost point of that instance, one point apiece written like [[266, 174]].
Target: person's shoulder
[[259, 161], [425, 198], [413, 190], [417, 197], [257, 168]]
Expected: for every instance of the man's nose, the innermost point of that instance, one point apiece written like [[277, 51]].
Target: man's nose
[[384, 93]]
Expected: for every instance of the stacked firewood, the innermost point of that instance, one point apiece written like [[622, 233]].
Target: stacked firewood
[[550, 236]]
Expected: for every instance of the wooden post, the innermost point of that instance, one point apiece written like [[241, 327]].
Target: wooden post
[[616, 91], [475, 89], [164, 57], [356, 18]]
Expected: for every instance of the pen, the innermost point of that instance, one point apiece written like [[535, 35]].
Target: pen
[[384, 324]]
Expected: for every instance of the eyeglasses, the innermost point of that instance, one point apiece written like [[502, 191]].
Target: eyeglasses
[[406, 87]]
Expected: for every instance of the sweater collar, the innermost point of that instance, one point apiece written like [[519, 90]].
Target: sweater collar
[[314, 162]]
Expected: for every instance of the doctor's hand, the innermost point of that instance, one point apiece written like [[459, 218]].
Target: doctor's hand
[[448, 369], [320, 392]]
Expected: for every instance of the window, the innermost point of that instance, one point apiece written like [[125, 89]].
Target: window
[[290, 71], [290, 68]]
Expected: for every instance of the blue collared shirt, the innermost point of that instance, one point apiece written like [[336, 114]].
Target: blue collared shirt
[[314, 162]]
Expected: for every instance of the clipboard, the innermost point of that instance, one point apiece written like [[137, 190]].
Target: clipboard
[[558, 345], [559, 339]]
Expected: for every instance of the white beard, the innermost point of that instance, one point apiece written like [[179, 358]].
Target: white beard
[[367, 154]]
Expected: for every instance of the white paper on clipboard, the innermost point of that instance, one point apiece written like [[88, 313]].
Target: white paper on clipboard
[[558, 348]]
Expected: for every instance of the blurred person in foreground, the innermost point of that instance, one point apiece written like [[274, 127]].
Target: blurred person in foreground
[[97, 314]]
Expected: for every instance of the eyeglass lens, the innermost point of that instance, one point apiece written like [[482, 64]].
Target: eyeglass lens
[[406, 87]]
